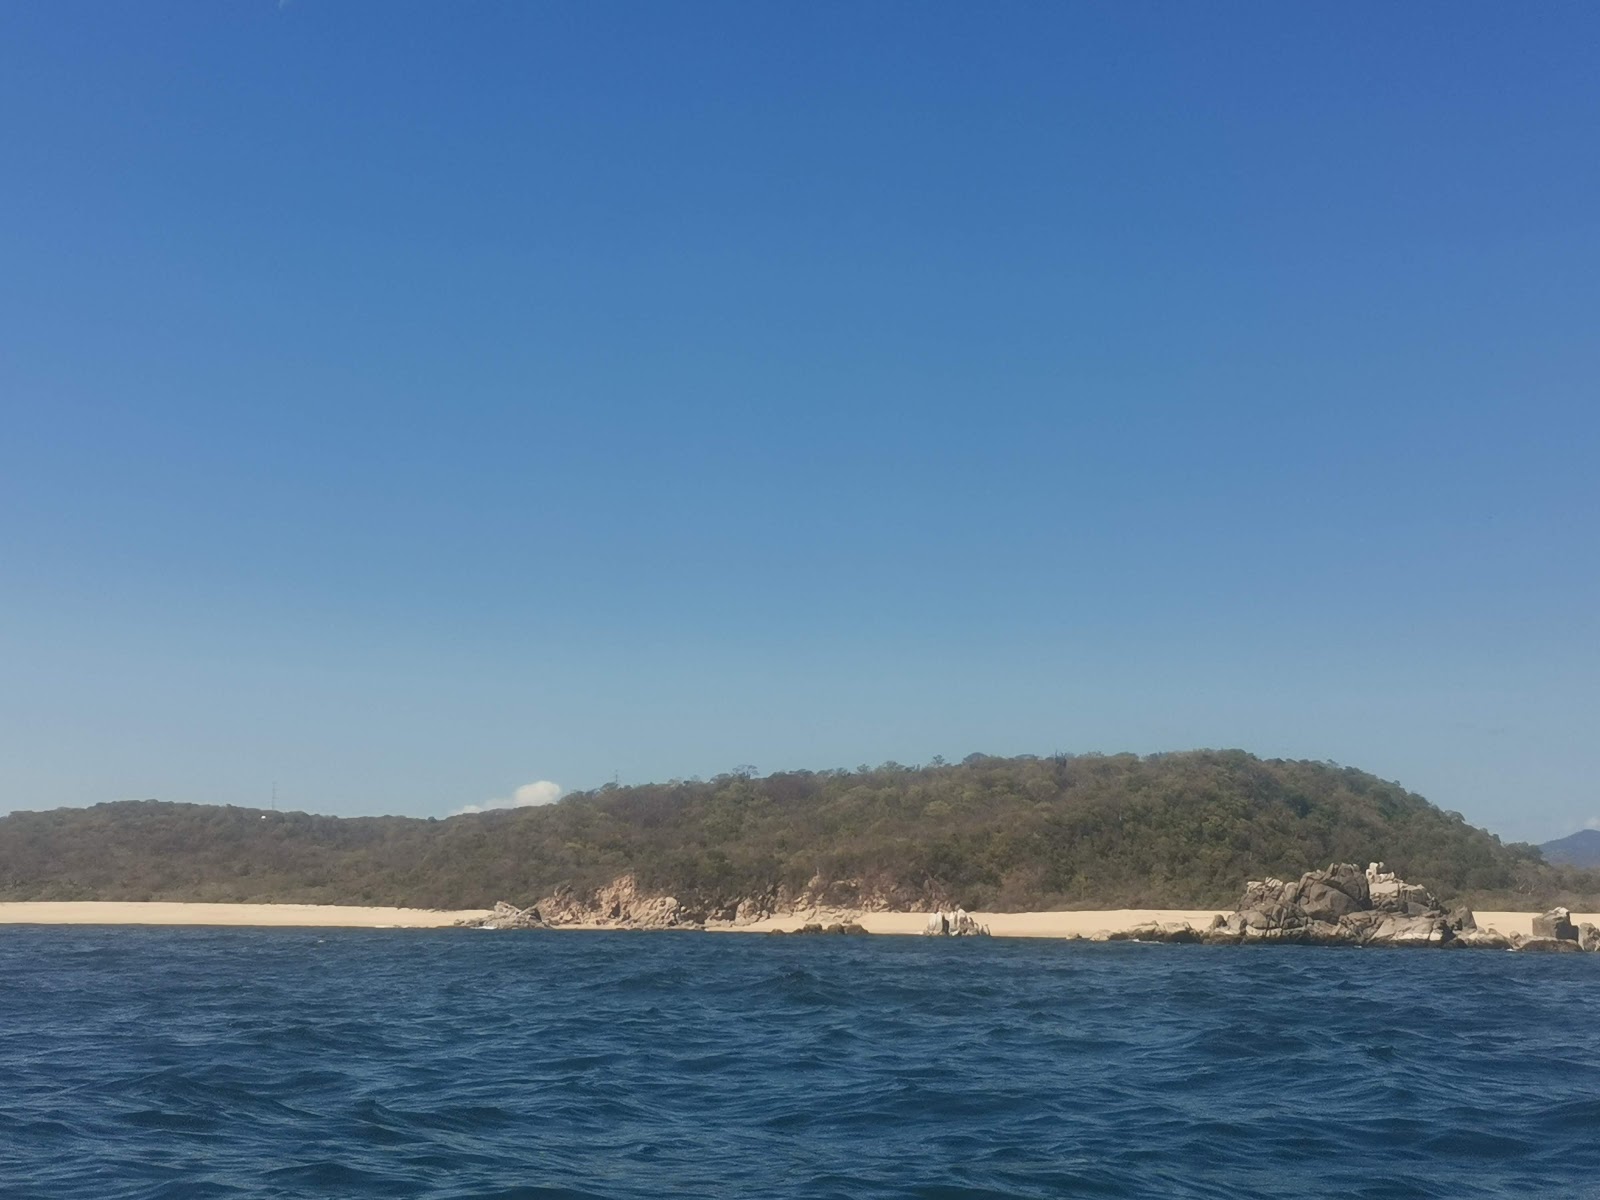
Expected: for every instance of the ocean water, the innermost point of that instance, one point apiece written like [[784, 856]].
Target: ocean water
[[192, 1063]]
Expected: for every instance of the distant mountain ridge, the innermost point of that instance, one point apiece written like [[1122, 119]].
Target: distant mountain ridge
[[1581, 849], [1087, 831]]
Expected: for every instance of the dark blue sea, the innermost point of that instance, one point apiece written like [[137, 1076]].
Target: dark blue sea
[[191, 1063]]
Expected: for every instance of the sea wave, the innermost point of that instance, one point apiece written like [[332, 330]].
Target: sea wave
[[148, 1063]]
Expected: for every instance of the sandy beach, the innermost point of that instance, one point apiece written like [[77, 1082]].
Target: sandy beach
[[1028, 924]]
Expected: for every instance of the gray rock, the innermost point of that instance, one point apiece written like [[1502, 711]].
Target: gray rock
[[957, 924], [509, 916], [1548, 945], [1480, 939], [1328, 933], [1351, 880], [1397, 930], [1557, 924], [1589, 936], [1342, 906], [1152, 931], [816, 928], [1321, 901]]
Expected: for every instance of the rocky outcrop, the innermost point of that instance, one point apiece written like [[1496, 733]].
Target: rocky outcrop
[[508, 916], [1481, 939], [618, 904], [623, 904], [1342, 906], [1346, 906], [954, 924], [1155, 931], [816, 927], [1545, 945], [1556, 925]]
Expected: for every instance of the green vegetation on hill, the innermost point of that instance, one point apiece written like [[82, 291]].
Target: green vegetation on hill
[[1182, 829]]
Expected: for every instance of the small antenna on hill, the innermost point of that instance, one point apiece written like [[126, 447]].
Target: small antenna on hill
[[274, 795]]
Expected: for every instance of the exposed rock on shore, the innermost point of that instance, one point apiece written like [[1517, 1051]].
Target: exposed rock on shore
[[508, 916], [1556, 924], [1554, 933], [622, 904], [814, 927], [1340, 906], [619, 903], [954, 924], [1346, 906]]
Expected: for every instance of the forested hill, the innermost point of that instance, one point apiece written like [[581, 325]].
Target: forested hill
[[992, 833]]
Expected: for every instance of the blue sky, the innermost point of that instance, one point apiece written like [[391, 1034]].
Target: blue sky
[[409, 403]]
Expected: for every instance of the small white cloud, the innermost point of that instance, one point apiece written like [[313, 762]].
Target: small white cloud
[[529, 795], [1592, 823]]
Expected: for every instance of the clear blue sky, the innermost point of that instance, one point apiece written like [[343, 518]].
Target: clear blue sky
[[408, 402]]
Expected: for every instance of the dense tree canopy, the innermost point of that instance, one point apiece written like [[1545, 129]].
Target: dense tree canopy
[[998, 833]]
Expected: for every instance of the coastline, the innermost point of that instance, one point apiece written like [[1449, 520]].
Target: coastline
[[1081, 923], [1066, 924]]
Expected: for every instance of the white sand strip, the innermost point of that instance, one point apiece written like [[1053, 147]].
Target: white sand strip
[[1030, 924]]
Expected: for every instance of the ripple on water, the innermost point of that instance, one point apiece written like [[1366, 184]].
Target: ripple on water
[[152, 1063]]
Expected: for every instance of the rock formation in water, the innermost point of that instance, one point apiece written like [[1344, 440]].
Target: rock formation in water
[[1346, 906], [816, 927], [1554, 933], [954, 924]]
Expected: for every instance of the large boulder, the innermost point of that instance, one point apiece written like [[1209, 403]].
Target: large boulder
[[1387, 892], [1480, 939], [1547, 945], [1158, 931], [954, 924], [1321, 901], [1272, 914], [752, 909], [1589, 936], [1557, 924], [1395, 929]]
